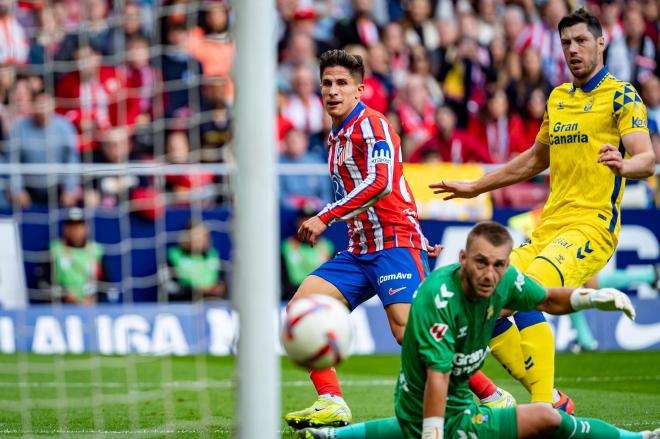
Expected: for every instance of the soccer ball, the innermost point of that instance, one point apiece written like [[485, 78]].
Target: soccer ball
[[316, 332]]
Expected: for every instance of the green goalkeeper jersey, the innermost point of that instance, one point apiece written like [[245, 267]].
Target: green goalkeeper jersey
[[447, 332]]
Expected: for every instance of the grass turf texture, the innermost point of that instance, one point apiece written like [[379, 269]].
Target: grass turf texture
[[84, 396]]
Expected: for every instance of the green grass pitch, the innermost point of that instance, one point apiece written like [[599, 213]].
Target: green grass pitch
[[95, 396]]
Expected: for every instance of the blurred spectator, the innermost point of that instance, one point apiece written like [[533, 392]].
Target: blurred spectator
[[650, 92], [398, 51], [300, 51], [531, 78], [466, 80], [360, 28], [132, 23], [533, 115], [140, 79], [298, 259], [609, 16], [45, 137], [450, 144], [420, 64], [194, 266], [216, 131], [283, 123], [21, 101], [76, 263], [88, 96], [501, 131], [181, 73], [211, 43], [13, 42], [305, 108], [631, 57], [296, 190], [487, 21], [418, 25], [7, 77], [95, 32], [378, 86], [193, 186], [549, 43], [515, 27], [46, 43], [110, 190], [416, 111]]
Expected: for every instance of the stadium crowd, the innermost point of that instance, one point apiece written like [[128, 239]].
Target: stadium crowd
[[113, 82]]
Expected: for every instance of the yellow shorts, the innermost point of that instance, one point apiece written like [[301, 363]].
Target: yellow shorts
[[564, 256]]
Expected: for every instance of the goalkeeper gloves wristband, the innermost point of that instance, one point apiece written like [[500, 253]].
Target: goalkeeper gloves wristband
[[606, 299], [433, 428]]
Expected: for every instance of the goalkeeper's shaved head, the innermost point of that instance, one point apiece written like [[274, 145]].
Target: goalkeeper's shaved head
[[494, 233]]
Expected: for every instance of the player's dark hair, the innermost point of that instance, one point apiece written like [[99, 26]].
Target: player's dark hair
[[494, 233], [338, 57], [578, 16]]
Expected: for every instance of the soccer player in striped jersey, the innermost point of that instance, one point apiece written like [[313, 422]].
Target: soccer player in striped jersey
[[387, 253]]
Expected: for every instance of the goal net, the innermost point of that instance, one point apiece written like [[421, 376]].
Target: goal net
[[117, 186]]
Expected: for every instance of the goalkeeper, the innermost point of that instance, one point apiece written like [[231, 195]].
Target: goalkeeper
[[451, 319]]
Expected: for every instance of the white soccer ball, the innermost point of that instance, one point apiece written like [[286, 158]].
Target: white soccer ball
[[316, 332]]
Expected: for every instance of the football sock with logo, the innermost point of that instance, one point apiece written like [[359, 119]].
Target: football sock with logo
[[505, 347], [584, 336], [588, 428], [538, 349], [481, 385], [325, 381], [386, 428]]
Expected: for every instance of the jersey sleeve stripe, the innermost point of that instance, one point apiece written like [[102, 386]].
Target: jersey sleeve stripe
[[615, 194]]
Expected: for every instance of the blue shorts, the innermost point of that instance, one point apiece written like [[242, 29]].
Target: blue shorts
[[393, 274]]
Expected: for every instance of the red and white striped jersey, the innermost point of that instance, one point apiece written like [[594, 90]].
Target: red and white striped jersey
[[371, 193]]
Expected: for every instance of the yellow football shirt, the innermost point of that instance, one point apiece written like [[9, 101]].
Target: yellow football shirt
[[576, 124]]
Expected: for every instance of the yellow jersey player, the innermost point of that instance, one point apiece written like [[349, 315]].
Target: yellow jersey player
[[593, 137]]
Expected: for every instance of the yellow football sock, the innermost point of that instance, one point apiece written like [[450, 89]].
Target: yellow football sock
[[538, 349], [506, 348]]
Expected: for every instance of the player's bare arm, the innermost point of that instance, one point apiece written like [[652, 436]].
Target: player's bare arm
[[641, 163], [435, 402], [311, 229], [567, 300], [521, 168]]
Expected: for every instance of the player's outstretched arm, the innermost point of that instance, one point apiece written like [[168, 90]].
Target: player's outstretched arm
[[641, 163], [521, 168], [567, 300], [435, 403]]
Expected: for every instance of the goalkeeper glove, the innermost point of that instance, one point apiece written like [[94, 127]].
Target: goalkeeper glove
[[606, 299], [433, 428]]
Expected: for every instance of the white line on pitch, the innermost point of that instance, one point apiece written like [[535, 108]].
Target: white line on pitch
[[223, 384]]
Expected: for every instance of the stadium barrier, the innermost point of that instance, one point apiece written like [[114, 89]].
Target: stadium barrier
[[151, 329]]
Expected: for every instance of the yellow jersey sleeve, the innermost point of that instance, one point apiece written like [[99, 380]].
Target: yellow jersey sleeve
[[629, 110], [543, 135]]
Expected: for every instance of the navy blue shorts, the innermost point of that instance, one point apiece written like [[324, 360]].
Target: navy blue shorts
[[393, 274]]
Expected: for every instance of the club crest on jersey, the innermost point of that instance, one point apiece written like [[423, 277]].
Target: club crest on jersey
[[381, 152], [590, 105], [341, 154]]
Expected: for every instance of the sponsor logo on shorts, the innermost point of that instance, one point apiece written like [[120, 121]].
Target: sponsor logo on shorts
[[395, 276], [394, 291]]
